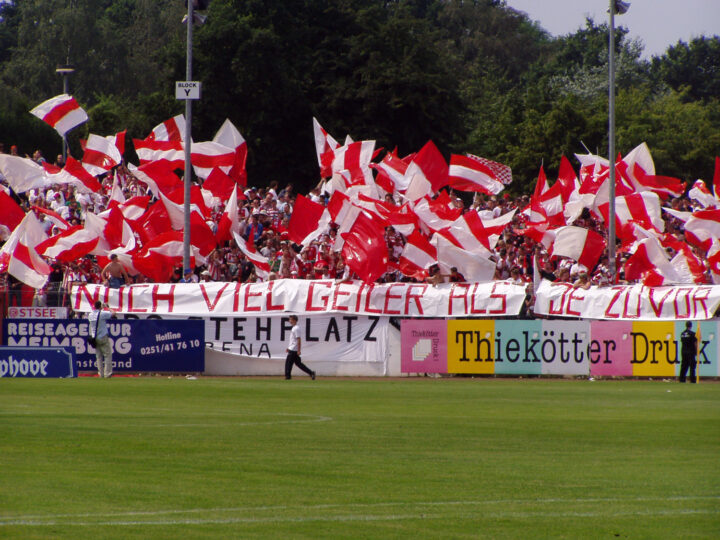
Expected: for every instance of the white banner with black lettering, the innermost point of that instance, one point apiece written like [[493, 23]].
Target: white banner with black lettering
[[325, 337], [492, 299], [628, 302]]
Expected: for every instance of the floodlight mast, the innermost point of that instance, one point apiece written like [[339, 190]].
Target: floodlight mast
[[616, 7], [188, 142]]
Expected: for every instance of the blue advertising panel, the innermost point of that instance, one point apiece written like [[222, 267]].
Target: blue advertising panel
[[137, 345], [36, 362]]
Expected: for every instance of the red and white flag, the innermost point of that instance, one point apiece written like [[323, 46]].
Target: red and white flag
[[703, 229], [426, 174], [173, 152], [170, 130], [57, 220], [61, 112], [73, 173], [700, 193], [229, 136], [100, 154], [162, 254], [325, 146], [158, 176], [468, 232], [175, 205], [418, 254], [229, 223], [262, 267], [583, 245], [473, 173], [642, 208], [473, 266], [69, 245], [113, 231], [207, 155], [18, 256], [391, 173], [152, 223], [650, 264]]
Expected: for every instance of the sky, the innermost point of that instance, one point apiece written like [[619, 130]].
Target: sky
[[657, 23]]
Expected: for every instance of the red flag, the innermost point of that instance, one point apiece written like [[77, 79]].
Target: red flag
[[70, 245], [304, 219], [583, 245], [427, 173], [365, 250], [11, 214]]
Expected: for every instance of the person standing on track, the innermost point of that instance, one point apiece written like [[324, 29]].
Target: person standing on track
[[293, 351], [688, 341]]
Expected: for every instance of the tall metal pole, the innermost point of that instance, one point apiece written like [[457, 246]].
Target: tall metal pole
[[188, 141], [65, 70], [611, 144]]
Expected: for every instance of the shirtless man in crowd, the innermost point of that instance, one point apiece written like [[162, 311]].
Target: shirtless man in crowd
[[114, 273]]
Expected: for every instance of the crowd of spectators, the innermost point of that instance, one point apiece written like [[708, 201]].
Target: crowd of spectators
[[265, 213]]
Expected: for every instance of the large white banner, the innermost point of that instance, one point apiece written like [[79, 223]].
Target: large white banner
[[628, 302], [492, 299]]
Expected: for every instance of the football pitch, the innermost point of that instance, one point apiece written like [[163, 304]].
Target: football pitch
[[158, 457]]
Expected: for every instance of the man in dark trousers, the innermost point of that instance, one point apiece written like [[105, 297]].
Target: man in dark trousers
[[688, 341], [293, 350]]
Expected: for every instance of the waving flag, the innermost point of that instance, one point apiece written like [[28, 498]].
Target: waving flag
[[262, 267], [170, 130], [229, 136], [73, 173], [11, 214], [472, 173], [22, 174], [426, 174], [324, 148], [70, 245], [700, 193], [18, 256], [365, 250], [100, 154], [61, 112], [229, 221], [418, 254], [583, 245]]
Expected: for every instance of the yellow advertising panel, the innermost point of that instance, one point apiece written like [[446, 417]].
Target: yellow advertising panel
[[471, 346], [654, 349]]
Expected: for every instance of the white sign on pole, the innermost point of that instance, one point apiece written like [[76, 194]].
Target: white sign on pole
[[187, 89]]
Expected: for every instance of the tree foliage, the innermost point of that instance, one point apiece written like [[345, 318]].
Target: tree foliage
[[473, 76]]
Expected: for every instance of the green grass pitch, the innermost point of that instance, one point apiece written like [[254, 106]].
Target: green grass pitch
[[158, 457]]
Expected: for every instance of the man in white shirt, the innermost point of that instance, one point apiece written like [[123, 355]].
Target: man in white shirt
[[293, 350], [98, 329]]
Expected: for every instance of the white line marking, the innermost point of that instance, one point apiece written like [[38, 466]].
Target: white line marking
[[108, 519]]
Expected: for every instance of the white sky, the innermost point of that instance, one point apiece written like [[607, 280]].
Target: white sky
[[658, 23]]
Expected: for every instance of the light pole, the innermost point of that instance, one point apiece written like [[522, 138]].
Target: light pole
[[616, 7], [65, 70], [188, 141]]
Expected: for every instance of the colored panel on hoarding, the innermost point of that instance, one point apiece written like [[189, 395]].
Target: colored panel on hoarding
[[516, 348], [707, 356], [423, 346], [655, 351], [564, 347], [37, 362], [611, 348], [470, 346], [137, 345]]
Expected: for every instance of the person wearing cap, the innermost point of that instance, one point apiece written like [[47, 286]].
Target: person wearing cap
[[114, 273], [293, 351], [189, 276]]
